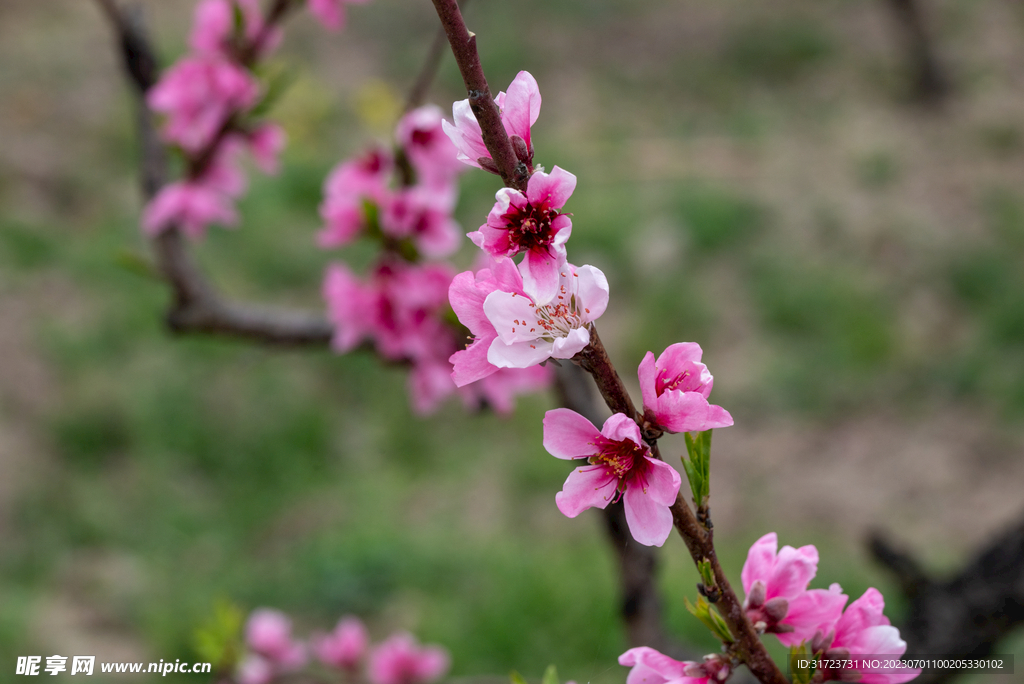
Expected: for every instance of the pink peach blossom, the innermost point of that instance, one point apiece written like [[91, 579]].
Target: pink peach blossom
[[192, 206], [777, 598], [331, 13], [199, 95], [254, 669], [620, 464], [675, 389], [269, 634], [349, 185], [467, 294], [433, 156], [520, 108], [345, 647], [865, 632], [401, 660], [212, 27], [532, 328], [423, 215], [531, 223], [398, 308], [651, 667], [266, 144]]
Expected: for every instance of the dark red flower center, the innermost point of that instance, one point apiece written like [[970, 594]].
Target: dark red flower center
[[530, 227], [622, 459]]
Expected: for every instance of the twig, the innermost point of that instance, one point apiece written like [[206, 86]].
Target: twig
[[463, 43]]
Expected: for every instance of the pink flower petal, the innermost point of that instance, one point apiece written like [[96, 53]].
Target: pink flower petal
[[794, 568], [649, 522], [521, 106], [647, 374], [550, 190], [592, 292], [620, 427], [519, 354], [681, 411], [567, 434], [760, 560], [586, 487], [570, 345], [663, 482]]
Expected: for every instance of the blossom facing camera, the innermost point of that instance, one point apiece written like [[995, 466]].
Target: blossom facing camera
[[778, 600], [532, 224], [519, 107], [619, 465], [531, 328], [401, 660], [675, 390]]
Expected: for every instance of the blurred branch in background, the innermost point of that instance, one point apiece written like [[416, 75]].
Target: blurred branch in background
[[929, 81], [197, 306], [968, 614]]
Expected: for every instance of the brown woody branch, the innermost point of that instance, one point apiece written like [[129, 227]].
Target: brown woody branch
[[594, 359], [513, 172]]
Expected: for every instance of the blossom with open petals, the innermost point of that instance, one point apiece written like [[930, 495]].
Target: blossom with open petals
[[520, 107], [269, 634], [345, 647], [531, 223], [777, 597], [433, 156], [199, 95], [652, 667], [401, 660], [675, 389], [347, 188], [619, 464], [863, 631], [531, 327]]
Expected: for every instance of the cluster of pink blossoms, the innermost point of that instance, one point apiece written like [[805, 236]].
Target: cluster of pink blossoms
[[522, 315], [401, 307], [273, 652], [779, 602], [206, 99]]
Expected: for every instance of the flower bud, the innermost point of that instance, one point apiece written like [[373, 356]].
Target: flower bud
[[777, 608]]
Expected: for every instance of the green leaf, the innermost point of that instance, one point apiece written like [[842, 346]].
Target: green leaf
[[698, 467], [136, 263], [219, 639], [801, 674], [707, 614], [707, 574], [516, 678], [550, 675]]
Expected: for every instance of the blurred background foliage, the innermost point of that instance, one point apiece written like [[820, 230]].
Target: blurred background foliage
[[751, 178]]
